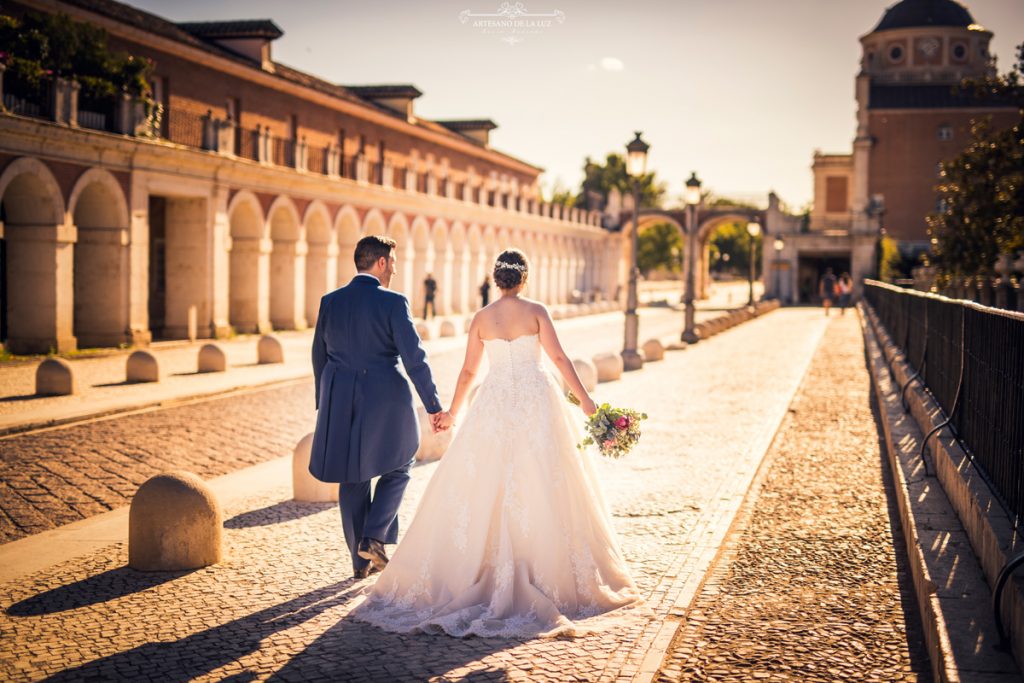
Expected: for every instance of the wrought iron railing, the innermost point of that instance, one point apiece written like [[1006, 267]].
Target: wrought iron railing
[[970, 358], [185, 127], [316, 160]]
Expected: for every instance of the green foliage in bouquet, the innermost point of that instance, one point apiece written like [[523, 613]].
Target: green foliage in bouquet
[[613, 430]]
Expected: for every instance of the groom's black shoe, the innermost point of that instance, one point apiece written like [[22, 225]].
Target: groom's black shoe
[[368, 570], [373, 550]]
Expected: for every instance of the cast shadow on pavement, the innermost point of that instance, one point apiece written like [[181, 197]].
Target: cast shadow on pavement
[[108, 585], [285, 511], [199, 654], [21, 397], [355, 651]]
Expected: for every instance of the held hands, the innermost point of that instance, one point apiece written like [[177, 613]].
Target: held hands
[[442, 421]]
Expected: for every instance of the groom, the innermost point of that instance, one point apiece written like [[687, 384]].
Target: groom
[[366, 424]]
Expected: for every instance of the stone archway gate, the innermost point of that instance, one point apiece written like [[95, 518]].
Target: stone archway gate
[[708, 220]]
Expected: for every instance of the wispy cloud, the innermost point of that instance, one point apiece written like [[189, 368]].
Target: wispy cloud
[[612, 64]]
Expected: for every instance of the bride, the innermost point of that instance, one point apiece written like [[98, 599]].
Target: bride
[[512, 537]]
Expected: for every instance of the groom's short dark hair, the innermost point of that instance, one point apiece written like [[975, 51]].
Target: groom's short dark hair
[[371, 248]]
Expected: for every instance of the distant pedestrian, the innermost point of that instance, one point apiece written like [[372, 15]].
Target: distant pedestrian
[[845, 287], [827, 289], [485, 291], [429, 291]]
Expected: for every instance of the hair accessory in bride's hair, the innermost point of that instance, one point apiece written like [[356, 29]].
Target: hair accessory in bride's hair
[[511, 266]]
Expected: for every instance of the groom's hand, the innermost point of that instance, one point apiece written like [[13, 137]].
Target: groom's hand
[[442, 421]]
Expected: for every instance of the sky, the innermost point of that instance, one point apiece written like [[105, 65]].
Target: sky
[[740, 91]]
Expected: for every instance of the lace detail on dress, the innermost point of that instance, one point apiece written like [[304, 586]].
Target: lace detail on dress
[[512, 537]]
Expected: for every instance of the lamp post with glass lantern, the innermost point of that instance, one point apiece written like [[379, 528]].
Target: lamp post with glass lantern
[[636, 166], [778, 244], [692, 197], [753, 229]]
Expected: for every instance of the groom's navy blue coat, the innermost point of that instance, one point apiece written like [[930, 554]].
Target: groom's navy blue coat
[[366, 423]]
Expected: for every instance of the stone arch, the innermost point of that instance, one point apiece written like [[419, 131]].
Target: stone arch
[[321, 257], [443, 265], [705, 231], [346, 227], [37, 304], [287, 266], [99, 211], [398, 230], [248, 265]]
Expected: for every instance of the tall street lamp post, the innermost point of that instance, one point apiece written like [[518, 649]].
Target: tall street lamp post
[[753, 229], [692, 198], [778, 244], [636, 166]]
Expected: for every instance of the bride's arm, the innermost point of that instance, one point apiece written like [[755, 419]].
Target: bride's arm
[[470, 366], [553, 347]]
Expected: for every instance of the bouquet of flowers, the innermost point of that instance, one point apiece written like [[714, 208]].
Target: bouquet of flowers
[[614, 430]]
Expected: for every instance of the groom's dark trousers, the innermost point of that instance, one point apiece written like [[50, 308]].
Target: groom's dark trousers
[[362, 517], [366, 424]]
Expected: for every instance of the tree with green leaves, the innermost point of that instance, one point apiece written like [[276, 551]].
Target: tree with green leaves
[[599, 179], [659, 247], [982, 189], [37, 46], [734, 240]]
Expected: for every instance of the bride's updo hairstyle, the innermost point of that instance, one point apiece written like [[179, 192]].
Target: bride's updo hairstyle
[[511, 269]]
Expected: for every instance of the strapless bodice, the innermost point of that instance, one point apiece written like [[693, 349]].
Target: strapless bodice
[[521, 354]]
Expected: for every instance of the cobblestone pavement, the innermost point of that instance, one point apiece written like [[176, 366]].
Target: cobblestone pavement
[[812, 584], [55, 476], [276, 607]]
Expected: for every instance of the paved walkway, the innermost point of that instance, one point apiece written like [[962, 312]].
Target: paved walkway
[[813, 583], [277, 605]]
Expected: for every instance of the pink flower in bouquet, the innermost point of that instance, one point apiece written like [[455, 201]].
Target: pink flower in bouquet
[[622, 422], [609, 443]]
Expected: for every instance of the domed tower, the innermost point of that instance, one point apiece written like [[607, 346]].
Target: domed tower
[[911, 116], [926, 41]]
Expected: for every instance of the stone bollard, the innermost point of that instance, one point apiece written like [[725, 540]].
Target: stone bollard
[[556, 312], [653, 350], [142, 367], [174, 524], [305, 487], [587, 372], [212, 359], [432, 446], [269, 350], [609, 366], [447, 328], [423, 330], [54, 377]]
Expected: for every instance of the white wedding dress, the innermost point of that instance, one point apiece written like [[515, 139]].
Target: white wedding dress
[[512, 537]]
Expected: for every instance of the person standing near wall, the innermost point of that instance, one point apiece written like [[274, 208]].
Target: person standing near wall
[[485, 291], [430, 291], [827, 289], [845, 290]]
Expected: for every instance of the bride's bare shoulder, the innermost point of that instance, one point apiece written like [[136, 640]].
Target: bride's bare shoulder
[[537, 308]]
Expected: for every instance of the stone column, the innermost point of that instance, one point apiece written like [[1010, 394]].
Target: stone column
[[444, 267], [101, 286], [288, 285], [40, 271], [220, 280], [250, 284], [321, 276], [423, 263], [189, 276], [460, 282]]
